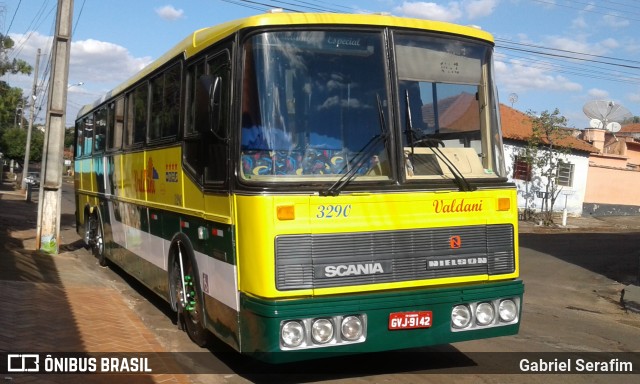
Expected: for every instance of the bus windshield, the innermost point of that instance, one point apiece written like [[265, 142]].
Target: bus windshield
[[310, 106], [450, 117], [314, 109]]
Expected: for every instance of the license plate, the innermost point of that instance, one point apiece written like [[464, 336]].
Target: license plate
[[410, 320]]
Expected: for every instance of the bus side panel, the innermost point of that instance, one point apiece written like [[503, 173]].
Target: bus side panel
[[137, 245], [86, 175], [163, 176], [134, 176], [214, 251], [83, 191]]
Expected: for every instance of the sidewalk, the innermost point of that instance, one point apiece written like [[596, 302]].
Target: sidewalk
[[61, 303]]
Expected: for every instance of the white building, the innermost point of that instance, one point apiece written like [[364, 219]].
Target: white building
[[572, 173]]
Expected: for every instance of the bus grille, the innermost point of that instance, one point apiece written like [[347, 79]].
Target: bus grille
[[332, 260]]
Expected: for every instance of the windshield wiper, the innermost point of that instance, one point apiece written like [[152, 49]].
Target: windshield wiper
[[357, 162], [433, 144]]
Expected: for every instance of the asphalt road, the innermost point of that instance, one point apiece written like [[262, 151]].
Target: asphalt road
[[572, 305]]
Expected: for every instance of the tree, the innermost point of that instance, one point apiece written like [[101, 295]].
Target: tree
[[14, 66], [544, 153], [14, 141], [11, 99], [10, 102]]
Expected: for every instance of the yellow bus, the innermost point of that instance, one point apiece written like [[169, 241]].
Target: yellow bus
[[296, 183]]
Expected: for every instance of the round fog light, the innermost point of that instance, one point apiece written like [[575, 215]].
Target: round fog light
[[352, 328], [485, 313], [292, 334], [460, 316], [322, 331], [508, 310]]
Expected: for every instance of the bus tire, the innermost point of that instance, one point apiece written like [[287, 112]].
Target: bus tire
[[190, 313], [98, 240], [87, 228]]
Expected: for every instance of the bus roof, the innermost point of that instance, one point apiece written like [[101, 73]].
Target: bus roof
[[202, 38]]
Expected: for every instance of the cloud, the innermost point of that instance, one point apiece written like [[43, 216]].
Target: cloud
[[580, 23], [578, 44], [634, 97], [480, 8], [168, 12], [431, 11], [596, 93], [614, 21], [451, 12], [99, 65], [103, 62], [519, 76]]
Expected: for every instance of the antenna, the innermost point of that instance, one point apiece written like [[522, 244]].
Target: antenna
[[606, 114]]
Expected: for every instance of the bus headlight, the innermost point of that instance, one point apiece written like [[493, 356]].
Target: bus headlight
[[351, 328], [322, 331], [292, 333], [485, 314], [460, 316], [508, 310]]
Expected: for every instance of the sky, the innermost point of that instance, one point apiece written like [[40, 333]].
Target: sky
[[549, 53]]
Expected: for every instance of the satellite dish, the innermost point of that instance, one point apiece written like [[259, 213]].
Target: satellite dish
[[614, 127], [605, 112], [595, 123]]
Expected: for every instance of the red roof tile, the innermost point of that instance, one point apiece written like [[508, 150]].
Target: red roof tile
[[517, 126], [630, 128]]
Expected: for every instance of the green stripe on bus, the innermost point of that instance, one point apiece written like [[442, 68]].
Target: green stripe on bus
[[267, 316], [210, 238]]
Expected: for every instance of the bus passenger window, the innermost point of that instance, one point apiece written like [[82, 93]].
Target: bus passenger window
[[88, 135], [79, 137], [100, 128], [136, 126], [165, 104], [215, 170], [115, 122]]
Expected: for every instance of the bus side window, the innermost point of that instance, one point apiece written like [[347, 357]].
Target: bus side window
[[87, 125], [136, 125], [218, 108], [193, 146], [100, 129], [165, 103], [79, 137]]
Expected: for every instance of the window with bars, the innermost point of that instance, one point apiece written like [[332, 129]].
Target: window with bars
[[521, 169], [565, 174]]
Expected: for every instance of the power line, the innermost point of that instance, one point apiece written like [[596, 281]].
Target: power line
[[13, 18], [570, 57], [73, 31], [583, 9], [565, 50]]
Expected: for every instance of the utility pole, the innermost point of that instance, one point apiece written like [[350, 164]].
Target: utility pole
[[27, 150], [50, 199]]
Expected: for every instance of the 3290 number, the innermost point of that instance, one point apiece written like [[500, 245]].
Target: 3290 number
[[333, 211]]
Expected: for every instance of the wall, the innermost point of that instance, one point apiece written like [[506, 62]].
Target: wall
[[611, 190], [570, 197]]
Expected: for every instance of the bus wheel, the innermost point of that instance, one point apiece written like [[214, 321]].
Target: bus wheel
[[88, 222], [187, 296], [98, 242]]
